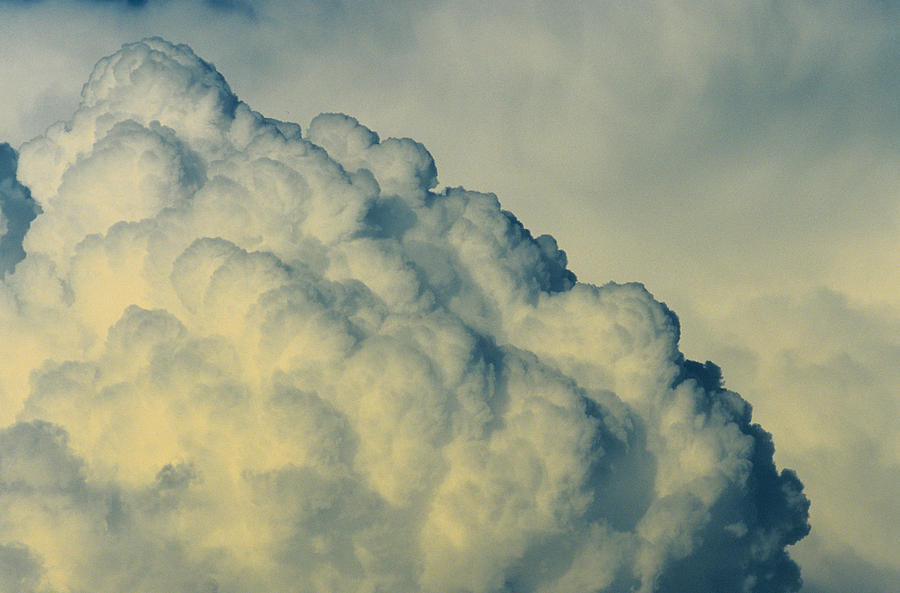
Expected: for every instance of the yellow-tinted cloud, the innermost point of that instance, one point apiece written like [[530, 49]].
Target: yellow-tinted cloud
[[245, 359]]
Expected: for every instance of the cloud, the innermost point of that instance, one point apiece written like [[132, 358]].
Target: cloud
[[225, 5], [821, 372], [17, 210], [249, 358], [725, 154]]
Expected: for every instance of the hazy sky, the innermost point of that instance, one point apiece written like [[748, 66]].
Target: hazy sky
[[740, 159]]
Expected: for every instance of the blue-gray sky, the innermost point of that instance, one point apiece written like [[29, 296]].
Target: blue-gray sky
[[738, 158]]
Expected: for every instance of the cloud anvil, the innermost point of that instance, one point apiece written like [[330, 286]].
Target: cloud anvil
[[239, 356]]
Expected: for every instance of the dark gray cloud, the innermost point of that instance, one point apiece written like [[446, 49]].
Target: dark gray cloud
[[17, 210], [20, 571], [239, 5]]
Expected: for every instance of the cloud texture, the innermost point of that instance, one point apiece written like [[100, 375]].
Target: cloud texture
[[242, 357]]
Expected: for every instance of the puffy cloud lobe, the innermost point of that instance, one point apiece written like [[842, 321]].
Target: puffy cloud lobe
[[249, 359]]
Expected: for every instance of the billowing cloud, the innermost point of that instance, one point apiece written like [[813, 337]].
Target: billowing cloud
[[244, 357], [829, 366]]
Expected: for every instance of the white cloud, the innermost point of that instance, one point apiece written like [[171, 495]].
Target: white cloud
[[249, 359], [725, 154]]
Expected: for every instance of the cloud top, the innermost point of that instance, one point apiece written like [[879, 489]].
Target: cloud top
[[252, 359]]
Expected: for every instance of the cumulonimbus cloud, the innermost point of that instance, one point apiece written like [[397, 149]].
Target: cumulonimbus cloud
[[243, 357]]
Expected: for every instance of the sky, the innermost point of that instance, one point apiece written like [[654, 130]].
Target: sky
[[740, 160]]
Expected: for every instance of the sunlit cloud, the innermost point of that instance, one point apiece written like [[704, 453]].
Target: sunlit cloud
[[737, 158], [247, 357]]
